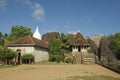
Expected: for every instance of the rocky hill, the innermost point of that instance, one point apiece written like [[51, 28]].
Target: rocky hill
[[96, 39], [50, 35]]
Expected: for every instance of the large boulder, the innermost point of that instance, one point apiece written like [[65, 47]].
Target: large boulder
[[50, 35], [106, 54]]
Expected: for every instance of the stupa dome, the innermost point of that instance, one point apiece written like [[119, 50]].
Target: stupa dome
[[36, 34]]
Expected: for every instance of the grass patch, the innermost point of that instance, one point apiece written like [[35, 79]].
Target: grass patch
[[51, 63], [101, 77], [6, 66]]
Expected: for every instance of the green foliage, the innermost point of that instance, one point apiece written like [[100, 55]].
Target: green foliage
[[2, 42], [56, 58], [4, 39], [7, 53], [69, 59], [115, 44], [58, 46], [65, 42], [27, 56], [19, 31], [1, 35], [55, 46], [55, 50], [1, 39], [16, 33]]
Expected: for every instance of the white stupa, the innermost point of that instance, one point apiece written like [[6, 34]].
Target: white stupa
[[36, 34]]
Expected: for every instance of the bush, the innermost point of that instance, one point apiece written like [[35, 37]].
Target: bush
[[27, 58], [7, 54], [69, 59], [56, 58]]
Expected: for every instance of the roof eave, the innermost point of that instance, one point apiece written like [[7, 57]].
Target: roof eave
[[14, 45], [10, 45]]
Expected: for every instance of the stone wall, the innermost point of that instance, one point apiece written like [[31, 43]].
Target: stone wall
[[24, 50], [40, 54], [96, 39]]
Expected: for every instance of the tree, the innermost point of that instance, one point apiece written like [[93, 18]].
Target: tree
[[27, 58], [65, 42], [7, 54], [55, 46], [6, 38], [2, 42], [1, 35], [19, 31], [55, 50], [115, 44]]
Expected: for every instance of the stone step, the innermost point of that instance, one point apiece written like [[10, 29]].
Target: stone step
[[84, 57]]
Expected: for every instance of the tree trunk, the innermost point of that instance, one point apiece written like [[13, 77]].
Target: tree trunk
[[29, 61], [15, 61], [5, 61]]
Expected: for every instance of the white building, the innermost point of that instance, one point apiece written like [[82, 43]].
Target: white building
[[36, 34], [31, 45]]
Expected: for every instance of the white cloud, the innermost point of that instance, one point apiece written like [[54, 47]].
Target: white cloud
[[38, 11], [3, 4]]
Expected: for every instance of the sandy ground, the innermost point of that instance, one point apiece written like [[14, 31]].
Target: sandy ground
[[52, 72]]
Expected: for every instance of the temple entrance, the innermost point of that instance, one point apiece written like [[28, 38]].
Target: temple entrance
[[19, 56], [79, 49]]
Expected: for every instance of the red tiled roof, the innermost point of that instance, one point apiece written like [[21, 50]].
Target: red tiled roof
[[29, 40], [79, 42]]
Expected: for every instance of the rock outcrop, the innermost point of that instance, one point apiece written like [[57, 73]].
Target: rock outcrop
[[106, 54], [50, 35]]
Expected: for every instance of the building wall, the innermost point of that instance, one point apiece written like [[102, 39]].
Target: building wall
[[96, 39], [76, 49], [28, 50], [40, 54]]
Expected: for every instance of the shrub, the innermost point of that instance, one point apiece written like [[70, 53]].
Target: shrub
[[7, 54], [69, 59], [27, 58], [56, 58]]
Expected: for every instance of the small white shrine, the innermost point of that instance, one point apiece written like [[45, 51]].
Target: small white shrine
[[37, 34]]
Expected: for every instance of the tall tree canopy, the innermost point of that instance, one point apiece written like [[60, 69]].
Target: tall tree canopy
[[7, 54], [115, 43], [19, 31], [55, 50], [65, 42], [55, 46], [1, 39]]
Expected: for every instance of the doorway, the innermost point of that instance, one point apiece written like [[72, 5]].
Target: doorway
[[79, 49], [19, 56]]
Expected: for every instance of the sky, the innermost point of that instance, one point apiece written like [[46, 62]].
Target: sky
[[90, 17]]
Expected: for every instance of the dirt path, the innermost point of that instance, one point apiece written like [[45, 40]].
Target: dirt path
[[52, 72]]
